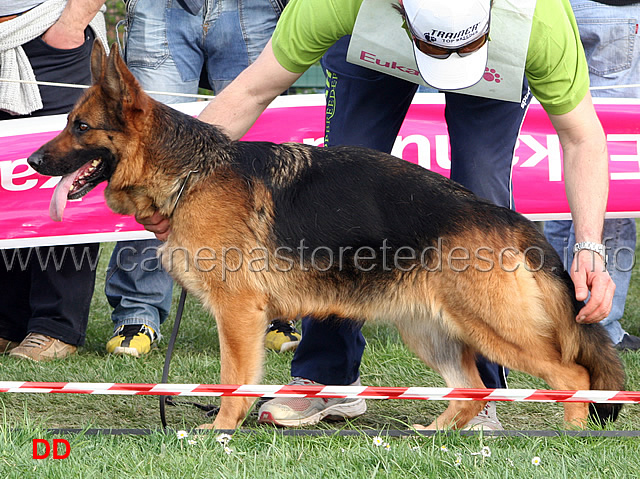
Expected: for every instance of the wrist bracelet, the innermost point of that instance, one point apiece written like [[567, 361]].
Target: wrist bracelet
[[591, 246]]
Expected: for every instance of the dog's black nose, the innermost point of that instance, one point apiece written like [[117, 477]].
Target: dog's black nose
[[35, 160]]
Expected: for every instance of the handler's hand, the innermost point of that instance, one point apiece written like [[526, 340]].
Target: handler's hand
[[589, 275], [157, 224], [63, 37]]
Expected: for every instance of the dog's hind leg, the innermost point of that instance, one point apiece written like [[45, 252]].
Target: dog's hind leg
[[241, 322], [452, 359], [540, 358]]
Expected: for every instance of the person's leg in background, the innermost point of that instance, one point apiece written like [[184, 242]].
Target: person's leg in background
[[483, 135], [139, 291], [136, 285], [45, 306], [166, 48], [59, 301], [609, 36], [50, 298], [331, 350], [15, 310], [237, 31]]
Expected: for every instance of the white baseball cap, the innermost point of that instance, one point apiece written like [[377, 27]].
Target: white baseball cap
[[449, 24]]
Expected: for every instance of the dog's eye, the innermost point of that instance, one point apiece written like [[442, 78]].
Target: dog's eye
[[81, 126]]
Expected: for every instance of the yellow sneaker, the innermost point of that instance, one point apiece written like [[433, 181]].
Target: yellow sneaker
[[132, 339], [282, 336]]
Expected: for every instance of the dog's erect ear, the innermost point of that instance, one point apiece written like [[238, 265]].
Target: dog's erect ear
[[98, 61], [120, 84]]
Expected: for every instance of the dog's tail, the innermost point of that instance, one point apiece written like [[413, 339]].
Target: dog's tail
[[591, 347], [597, 354], [588, 345]]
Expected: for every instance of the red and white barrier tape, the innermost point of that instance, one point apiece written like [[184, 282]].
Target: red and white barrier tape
[[424, 393]]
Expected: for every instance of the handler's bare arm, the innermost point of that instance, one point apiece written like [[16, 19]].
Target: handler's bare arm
[[237, 108], [587, 185], [68, 31]]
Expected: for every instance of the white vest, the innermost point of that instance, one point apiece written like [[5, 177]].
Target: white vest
[[380, 43]]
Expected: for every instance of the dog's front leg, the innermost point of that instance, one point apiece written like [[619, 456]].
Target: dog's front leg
[[241, 324]]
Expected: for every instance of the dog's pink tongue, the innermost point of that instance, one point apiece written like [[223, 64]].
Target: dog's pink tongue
[[59, 198]]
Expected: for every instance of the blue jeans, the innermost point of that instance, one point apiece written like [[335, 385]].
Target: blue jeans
[[482, 134], [167, 49], [136, 286], [611, 44], [612, 47]]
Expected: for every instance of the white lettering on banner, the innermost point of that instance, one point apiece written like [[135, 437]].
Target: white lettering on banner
[[8, 175], [631, 175], [540, 152], [422, 144], [443, 157], [51, 182], [552, 151], [423, 147]]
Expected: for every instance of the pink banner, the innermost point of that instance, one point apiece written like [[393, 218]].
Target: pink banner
[[537, 170]]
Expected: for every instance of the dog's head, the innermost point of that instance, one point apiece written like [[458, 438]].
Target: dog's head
[[98, 132]]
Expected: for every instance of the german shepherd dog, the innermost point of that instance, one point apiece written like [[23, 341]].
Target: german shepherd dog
[[261, 230]]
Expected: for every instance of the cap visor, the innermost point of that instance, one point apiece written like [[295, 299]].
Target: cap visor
[[452, 73]]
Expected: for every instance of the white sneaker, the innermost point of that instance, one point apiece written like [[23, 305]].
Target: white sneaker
[[486, 419], [292, 412]]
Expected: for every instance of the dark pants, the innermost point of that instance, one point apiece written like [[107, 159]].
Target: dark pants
[[50, 297], [367, 108]]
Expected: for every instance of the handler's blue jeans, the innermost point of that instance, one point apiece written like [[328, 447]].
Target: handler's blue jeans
[[612, 47], [166, 48], [367, 108]]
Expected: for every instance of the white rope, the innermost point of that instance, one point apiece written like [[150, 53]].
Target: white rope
[[208, 97], [72, 85], [613, 87]]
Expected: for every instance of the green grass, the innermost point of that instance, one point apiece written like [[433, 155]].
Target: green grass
[[265, 452], [268, 454]]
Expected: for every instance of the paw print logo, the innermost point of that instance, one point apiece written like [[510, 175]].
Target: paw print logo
[[491, 75]]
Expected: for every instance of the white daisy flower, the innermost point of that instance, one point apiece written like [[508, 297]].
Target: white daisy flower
[[377, 441], [535, 461], [182, 434], [486, 452], [387, 446], [458, 461], [228, 450], [444, 448], [223, 438], [192, 442]]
